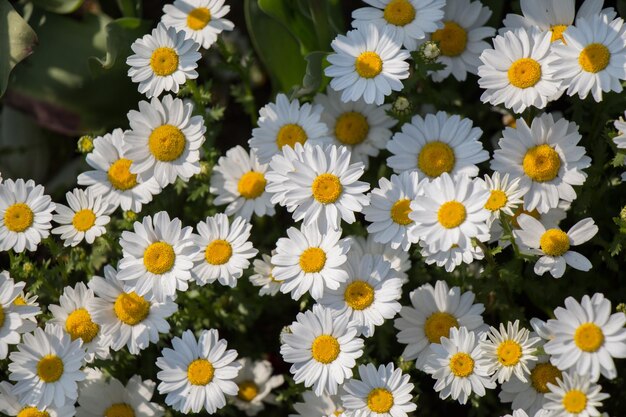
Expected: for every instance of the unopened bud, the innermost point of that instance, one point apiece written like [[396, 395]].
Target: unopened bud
[[85, 144], [402, 106], [429, 51]]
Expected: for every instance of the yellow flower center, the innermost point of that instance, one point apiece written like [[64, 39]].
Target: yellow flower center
[[554, 242], [519, 211], [497, 200], [509, 353], [251, 185], [32, 412], [131, 308], [289, 135], [325, 349], [198, 18], [79, 325], [50, 368], [312, 260], [359, 295], [368, 64], [435, 158], [575, 401], [19, 301], [338, 413], [84, 220], [557, 32], [462, 365], [2, 316], [159, 258], [218, 252], [524, 73], [400, 212], [452, 39], [351, 128], [541, 163], [451, 214], [18, 217], [164, 61], [594, 58], [119, 175], [438, 325], [200, 372], [399, 12], [119, 410], [589, 337], [380, 400], [167, 143], [542, 375], [248, 391], [326, 188]]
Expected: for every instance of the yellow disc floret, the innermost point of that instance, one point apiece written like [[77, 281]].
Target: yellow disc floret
[[32, 412], [131, 309], [248, 391], [198, 18], [399, 12], [251, 185], [312, 260], [200, 372], [435, 158], [119, 410], [79, 325], [359, 295], [554, 242], [368, 64], [164, 61], [218, 252], [400, 212], [438, 325], [542, 375], [289, 135], [167, 143], [594, 58], [380, 400], [557, 32], [326, 188], [50, 368], [18, 217], [509, 353], [575, 401], [524, 73], [351, 128], [541, 163], [589, 337], [325, 349], [497, 200], [452, 39], [451, 214], [159, 258], [119, 175], [2, 316], [84, 220], [462, 365]]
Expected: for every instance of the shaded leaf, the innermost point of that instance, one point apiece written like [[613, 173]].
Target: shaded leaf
[[16, 37], [59, 6], [121, 33]]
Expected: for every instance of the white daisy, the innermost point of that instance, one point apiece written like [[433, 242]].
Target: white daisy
[[505, 195], [196, 374], [553, 245], [458, 366], [318, 406], [367, 63], [587, 336], [73, 316], [519, 71], [277, 181], [398, 258], [310, 260], [263, 276], [239, 180], [46, 368], [25, 215], [165, 140], [574, 396], [12, 316], [435, 310], [389, 209], [364, 128], [437, 144], [200, 20], [157, 257], [592, 57], [452, 257], [286, 123], [128, 319], [255, 382], [382, 392], [85, 217], [221, 250], [112, 178], [322, 348], [546, 157], [162, 61], [620, 139], [26, 305], [10, 405], [369, 296]]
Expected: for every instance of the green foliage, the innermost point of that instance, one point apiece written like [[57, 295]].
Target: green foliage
[[17, 41], [59, 6]]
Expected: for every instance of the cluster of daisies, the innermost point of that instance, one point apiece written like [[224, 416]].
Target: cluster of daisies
[[310, 158]]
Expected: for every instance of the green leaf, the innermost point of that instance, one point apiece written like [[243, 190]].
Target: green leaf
[[59, 6], [288, 14], [130, 8], [314, 76], [20, 38]]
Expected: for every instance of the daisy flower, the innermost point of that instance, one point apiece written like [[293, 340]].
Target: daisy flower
[[509, 351], [162, 61], [318, 406], [10, 405], [461, 40], [519, 71], [620, 139], [434, 311], [85, 217], [255, 382], [128, 319], [437, 144], [322, 348], [157, 256], [200, 20], [277, 181], [12, 316], [73, 316], [505, 195], [27, 306], [239, 180], [575, 395], [369, 296], [592, 57], [458, 366], [309, 260], [367, 63], [382, 392], [46, 368], [450, 213], [389, 209], [165, 140], [553, 245], [111, 178], [221, 250], [25, 215], [196, 374], [363, 128], [546, 157], [586, 336], [408, 20], [285, 123], [398, 258], [452, 257], [263, 276]]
